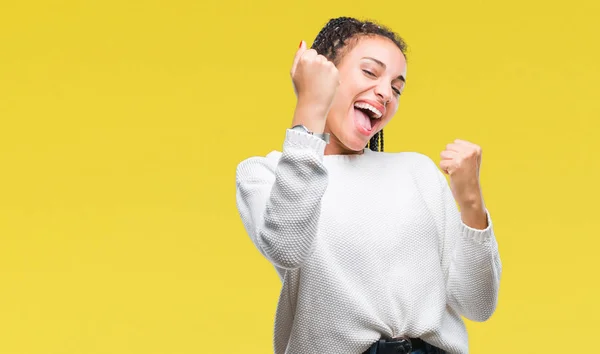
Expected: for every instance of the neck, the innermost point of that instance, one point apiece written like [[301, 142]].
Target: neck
[[335, 147]]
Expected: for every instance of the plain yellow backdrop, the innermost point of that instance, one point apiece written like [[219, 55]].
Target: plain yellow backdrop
[[122, 122]]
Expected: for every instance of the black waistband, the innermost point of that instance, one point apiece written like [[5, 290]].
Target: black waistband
[[401, 346]]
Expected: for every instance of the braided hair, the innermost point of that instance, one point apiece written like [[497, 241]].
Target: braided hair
[[339, 35]]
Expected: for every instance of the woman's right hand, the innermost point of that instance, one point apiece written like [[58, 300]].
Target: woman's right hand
[[315, 79]]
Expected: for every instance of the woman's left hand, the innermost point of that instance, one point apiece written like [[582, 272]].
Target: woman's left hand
[[461, 160]]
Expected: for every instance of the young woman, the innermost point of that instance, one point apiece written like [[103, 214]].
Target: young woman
[[373, 254]]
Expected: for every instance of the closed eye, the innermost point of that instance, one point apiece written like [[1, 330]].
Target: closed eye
[[368, 73]]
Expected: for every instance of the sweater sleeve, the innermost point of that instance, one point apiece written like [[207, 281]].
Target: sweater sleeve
[[279, 199], [471, 261]]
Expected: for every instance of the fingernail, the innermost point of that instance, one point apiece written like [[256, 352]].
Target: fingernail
[[300, 44]]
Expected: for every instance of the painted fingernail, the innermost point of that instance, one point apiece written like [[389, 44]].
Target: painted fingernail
[[300, 44]]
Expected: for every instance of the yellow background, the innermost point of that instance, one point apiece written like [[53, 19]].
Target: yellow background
[[122, 122]]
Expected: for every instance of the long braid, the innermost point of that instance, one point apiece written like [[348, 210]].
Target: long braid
[[335, 39], [374, 142]]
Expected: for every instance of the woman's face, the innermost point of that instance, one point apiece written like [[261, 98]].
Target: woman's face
[[372, 75]]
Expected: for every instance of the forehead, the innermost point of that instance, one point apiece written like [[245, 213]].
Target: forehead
[[380, 48]]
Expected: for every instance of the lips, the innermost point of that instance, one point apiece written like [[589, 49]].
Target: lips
[[374, 107]]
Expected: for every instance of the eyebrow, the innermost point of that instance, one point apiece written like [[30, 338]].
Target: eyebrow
[[380, 63]]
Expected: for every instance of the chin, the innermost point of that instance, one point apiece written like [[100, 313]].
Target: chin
[[355, 143]]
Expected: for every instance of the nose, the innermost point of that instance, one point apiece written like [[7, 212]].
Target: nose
[[384, 93]]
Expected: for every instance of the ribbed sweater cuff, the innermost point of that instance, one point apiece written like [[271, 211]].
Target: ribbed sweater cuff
[[296, 139], [480, 236]]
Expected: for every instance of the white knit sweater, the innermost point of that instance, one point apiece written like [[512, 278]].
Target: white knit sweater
[[367, 246]]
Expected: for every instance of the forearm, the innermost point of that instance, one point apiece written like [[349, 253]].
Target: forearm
[[310, 115], [281, 212], [474, 272], [470, 256], [473, 215]]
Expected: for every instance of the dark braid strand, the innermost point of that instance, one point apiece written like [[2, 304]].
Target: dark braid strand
[[374, 142]]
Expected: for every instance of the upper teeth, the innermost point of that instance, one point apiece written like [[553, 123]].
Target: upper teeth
[[364, 105]]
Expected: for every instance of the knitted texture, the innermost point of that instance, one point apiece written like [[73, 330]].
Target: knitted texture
[[367, 246]]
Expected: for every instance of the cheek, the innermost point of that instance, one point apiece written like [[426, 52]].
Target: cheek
[[342, 101], [393, 109], [339, 113]]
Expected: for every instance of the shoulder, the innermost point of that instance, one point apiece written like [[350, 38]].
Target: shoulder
[[416, 161], [424, 170], [256, 166]]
